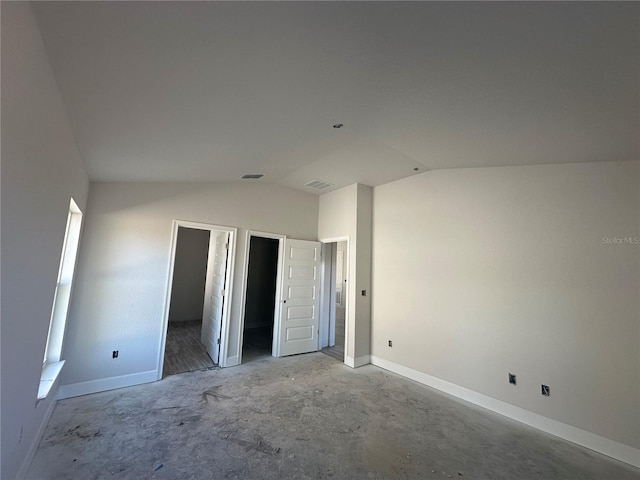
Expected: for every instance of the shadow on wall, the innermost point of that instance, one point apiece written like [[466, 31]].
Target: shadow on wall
[[189, 275]]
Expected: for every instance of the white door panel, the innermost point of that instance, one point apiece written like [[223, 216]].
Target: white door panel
[[207, 311], [212, 315], [339, 278], [299, 317]]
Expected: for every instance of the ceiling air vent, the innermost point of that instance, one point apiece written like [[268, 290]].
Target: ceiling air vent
[[318, 184], [253, 176]]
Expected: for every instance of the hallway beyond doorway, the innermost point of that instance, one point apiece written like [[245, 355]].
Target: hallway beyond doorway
[[184, 351], [337, 351]]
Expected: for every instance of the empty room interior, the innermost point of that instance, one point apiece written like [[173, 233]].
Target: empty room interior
[[320, 240]]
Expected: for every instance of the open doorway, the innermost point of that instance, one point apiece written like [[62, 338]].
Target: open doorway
[[333, 337], [198, 295], [284, 297], [260, 301], [184, 350]]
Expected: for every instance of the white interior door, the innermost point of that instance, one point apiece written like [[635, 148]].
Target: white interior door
[[340, 278], [300, 309], [215, 294]]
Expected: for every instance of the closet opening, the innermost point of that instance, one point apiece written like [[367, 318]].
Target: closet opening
[[260, 303]]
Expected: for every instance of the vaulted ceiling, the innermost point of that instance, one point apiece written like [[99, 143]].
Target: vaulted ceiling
[[208, 91]]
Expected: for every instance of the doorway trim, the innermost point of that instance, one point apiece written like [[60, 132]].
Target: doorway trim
[[325, 297], [276, 311], [226, 312]]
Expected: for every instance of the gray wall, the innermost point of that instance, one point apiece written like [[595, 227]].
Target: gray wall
[[189, 275], [41, 170], [481, 272], [123, 267], [347, 213]]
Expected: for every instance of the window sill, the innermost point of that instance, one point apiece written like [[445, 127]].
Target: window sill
[[49, 376]]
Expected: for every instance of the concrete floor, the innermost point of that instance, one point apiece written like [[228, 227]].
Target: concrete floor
[[303, 417]]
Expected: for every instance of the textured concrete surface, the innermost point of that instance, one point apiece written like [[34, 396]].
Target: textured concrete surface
[[303, 417]]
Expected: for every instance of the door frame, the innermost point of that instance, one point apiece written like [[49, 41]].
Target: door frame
[[275, 346], [226, 312], [325, 297]]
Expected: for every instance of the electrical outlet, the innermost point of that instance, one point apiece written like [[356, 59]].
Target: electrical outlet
[[364, 293], [546, 391], [114, 354], [512, 379], [390, 343]]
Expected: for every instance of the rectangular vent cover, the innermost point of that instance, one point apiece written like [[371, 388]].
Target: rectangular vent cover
[[253, 175], [318, 184]]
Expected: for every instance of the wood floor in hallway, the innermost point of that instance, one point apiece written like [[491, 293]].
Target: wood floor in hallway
[[183, 351], [337, 351]]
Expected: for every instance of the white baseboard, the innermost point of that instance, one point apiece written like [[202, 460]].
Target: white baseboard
[[594, 442], [104, 384], [232, 361], [363, 360], [26, 463], [358, 361]]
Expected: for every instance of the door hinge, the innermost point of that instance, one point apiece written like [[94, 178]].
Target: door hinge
[[218, 341], [226, 246], [223, 293]]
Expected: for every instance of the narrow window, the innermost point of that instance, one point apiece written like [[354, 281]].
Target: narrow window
[[52, 363]]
